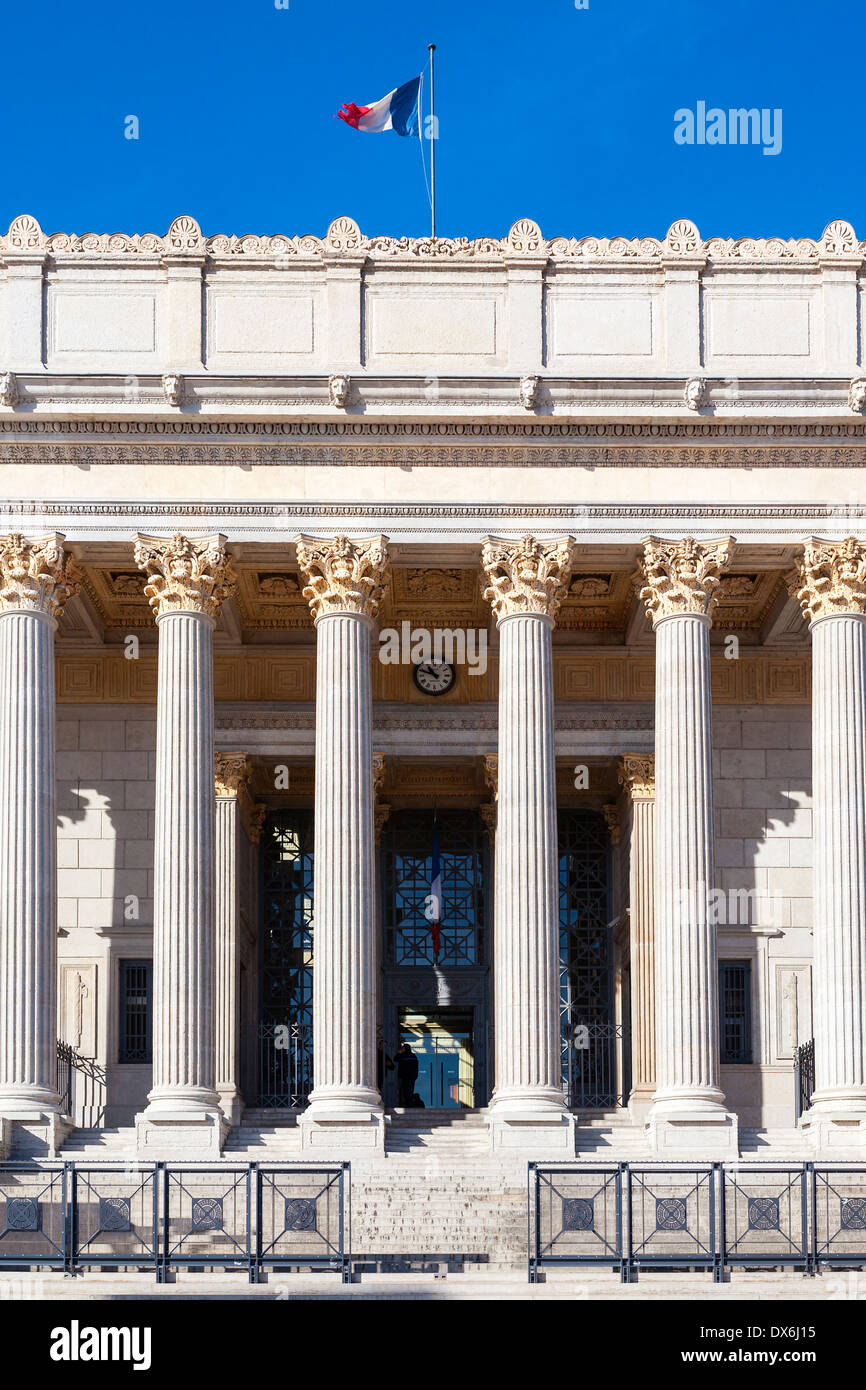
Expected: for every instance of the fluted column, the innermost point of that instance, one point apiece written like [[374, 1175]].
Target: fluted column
[[187, 583], [832, 592], [636, 773], [231, 781], [678, 582], [527, 580], [35, 580], [344, 586]]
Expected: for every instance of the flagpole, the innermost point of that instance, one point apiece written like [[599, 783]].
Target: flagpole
[[431, 48]]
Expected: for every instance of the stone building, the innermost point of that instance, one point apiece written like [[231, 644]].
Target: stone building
[[328, 564]]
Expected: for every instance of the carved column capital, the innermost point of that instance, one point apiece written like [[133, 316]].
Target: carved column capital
[[343, 576], [527, 576], [611, 816], [231, 773], [184, 575], [381, 810], [256, 822], [36, 575], [831, 579], [678, 577], [490, 763], [637, 773]]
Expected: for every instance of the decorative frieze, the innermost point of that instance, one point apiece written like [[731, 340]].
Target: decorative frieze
[[527, 576], [676, 577], [184, 575], [36, 575], [343, 576], [831, 578]]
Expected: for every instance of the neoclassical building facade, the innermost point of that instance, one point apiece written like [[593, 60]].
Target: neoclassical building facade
[[434, 644]]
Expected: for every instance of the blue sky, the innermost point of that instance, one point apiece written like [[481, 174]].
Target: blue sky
[[562, 114]]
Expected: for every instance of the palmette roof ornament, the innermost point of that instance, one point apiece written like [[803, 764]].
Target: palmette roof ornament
[[36, 575], [637, 773], [831, 579], [676, 577], [184, 575], [527, 576], [683, 242], [343, 576]]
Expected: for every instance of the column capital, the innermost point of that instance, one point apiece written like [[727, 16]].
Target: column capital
[[637, 773], [490, 765], [527, 576], [830, 579], [231, 773], [36, 574], [343, 576], [184, 575], [681, 577]]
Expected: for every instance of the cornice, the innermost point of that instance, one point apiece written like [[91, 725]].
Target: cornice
[[344, 240]]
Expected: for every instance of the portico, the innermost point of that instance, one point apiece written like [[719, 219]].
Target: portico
[[631, 507]]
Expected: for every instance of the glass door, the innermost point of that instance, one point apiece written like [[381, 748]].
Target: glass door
[[440, 1041]]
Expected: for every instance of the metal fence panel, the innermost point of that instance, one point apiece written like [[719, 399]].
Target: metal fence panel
[[301, 1218], [765, 1216], [206, 1216], [33, 1215], [113, 1216], [576, 1216], [839, 1215], [671, 1216]]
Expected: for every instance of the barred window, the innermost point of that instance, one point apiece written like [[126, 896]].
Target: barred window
[[735, 1010], [136, 996]]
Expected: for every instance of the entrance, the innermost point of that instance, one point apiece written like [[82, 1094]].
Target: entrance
[[442, 1041]]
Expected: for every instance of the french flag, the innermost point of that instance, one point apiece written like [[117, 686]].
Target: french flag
[[435, 911], [397, 111]]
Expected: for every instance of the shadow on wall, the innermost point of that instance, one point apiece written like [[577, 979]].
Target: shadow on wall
[[105, 800]]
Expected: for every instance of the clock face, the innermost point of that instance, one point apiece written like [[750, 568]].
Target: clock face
[[434, 677]]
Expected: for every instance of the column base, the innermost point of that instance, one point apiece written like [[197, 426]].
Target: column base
[[836, 1129], [31, 1125], [689, 1130], [534, 1125], [231, 1104], [640, 1103], [331, 1133], [179, 1131]]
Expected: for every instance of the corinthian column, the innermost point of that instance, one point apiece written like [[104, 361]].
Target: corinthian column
[[187, 583], [678, 581], [231, 783], [35, 581], [832, 593], [636, 773], [344, 586], [527, 581]]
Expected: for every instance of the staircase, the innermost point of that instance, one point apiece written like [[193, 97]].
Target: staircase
[[265, 1135], [454, 1134], [100, 1143], [775, 1145], [611, 1137]]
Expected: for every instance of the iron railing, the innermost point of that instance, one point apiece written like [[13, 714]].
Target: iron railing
[[278, 1061], [594, 1056], [804, 1076], [164, 1216], [81, 1082], [713, 1217]]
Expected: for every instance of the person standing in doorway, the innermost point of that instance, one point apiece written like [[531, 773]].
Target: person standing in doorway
[[407, 1073]]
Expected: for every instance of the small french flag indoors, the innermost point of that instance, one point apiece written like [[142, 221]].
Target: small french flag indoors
[[397, 111]]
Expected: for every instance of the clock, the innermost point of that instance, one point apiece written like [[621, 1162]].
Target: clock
[[434, 677]]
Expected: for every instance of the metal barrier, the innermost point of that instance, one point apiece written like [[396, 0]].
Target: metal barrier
[[163, 1216], [641, 1216], [804, 1077]]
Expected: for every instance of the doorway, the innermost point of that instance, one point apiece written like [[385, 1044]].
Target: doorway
[[442, 1041]]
